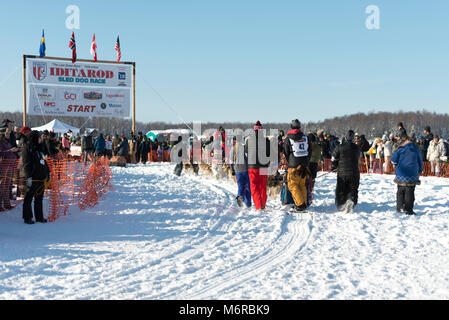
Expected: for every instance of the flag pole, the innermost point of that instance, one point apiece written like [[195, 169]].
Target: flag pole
[[24, 115]]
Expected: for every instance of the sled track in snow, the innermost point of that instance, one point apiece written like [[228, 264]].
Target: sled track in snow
[[291, 240], [200, 241], [221, 225]]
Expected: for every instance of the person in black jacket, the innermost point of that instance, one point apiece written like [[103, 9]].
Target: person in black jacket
[[401, 129], [36, 173], [325, 147], [258, 164], [144, 148], [48, 145], [346, 159], [297, 151]]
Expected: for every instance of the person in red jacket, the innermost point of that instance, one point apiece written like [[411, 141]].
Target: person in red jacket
[[258, 164]]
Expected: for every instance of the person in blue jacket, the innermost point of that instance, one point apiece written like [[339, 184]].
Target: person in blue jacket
[[409, 166], [99, 146]]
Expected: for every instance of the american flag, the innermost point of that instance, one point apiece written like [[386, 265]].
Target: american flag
[[117, 48], [72, 45]]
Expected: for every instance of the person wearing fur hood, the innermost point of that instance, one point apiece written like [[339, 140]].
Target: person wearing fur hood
[[409, 166]]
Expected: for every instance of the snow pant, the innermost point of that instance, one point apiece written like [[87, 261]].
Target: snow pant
[[347, 189], [36, 191], [297, 186], [144, 158], [313, 168], [244, 187], [258, 188], [405, 198], [388, 166], [6, 176], [178, 169], [435, 168]]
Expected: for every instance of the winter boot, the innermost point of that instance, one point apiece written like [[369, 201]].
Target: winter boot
[[349, 206]]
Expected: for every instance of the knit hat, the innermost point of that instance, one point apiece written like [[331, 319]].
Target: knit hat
[[384, 137], [258, 125], [296, 124], [25, 130]]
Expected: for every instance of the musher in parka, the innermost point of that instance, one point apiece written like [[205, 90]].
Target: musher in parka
[[346, 159], [297, 151]]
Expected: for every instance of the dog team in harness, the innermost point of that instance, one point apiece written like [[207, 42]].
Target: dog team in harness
[[249, 158]]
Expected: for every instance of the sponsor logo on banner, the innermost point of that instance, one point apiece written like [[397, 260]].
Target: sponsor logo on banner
[[122, 75], [103, 106], [115, 96], [71, 96], [44, 94], [39, 70], [122, 84], [49, 104], [93, 95], [115, 105]]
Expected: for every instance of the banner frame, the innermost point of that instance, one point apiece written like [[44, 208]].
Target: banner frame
[[27, 56]]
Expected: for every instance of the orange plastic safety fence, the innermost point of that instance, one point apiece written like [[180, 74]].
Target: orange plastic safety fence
[[163, 157], [8, 182], [76, 183]]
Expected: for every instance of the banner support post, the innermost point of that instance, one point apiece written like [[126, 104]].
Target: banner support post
[[24, 116], [134, 100]]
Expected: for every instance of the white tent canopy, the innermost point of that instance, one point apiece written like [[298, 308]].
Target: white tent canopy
[[57, 127]]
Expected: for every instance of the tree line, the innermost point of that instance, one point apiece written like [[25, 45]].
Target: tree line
[[373, 124]]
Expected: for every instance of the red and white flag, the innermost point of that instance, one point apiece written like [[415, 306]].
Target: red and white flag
[[72, 45], [117, 48], [93, 49]]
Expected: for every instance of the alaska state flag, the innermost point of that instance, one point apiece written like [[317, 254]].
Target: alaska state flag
[[42, 47]]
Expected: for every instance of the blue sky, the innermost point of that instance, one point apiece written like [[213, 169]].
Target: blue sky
[[248, 60]]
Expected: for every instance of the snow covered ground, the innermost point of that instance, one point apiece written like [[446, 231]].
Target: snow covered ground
[[157, 236]]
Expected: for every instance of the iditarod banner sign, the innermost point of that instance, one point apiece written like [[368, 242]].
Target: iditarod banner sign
[[60, 88]]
